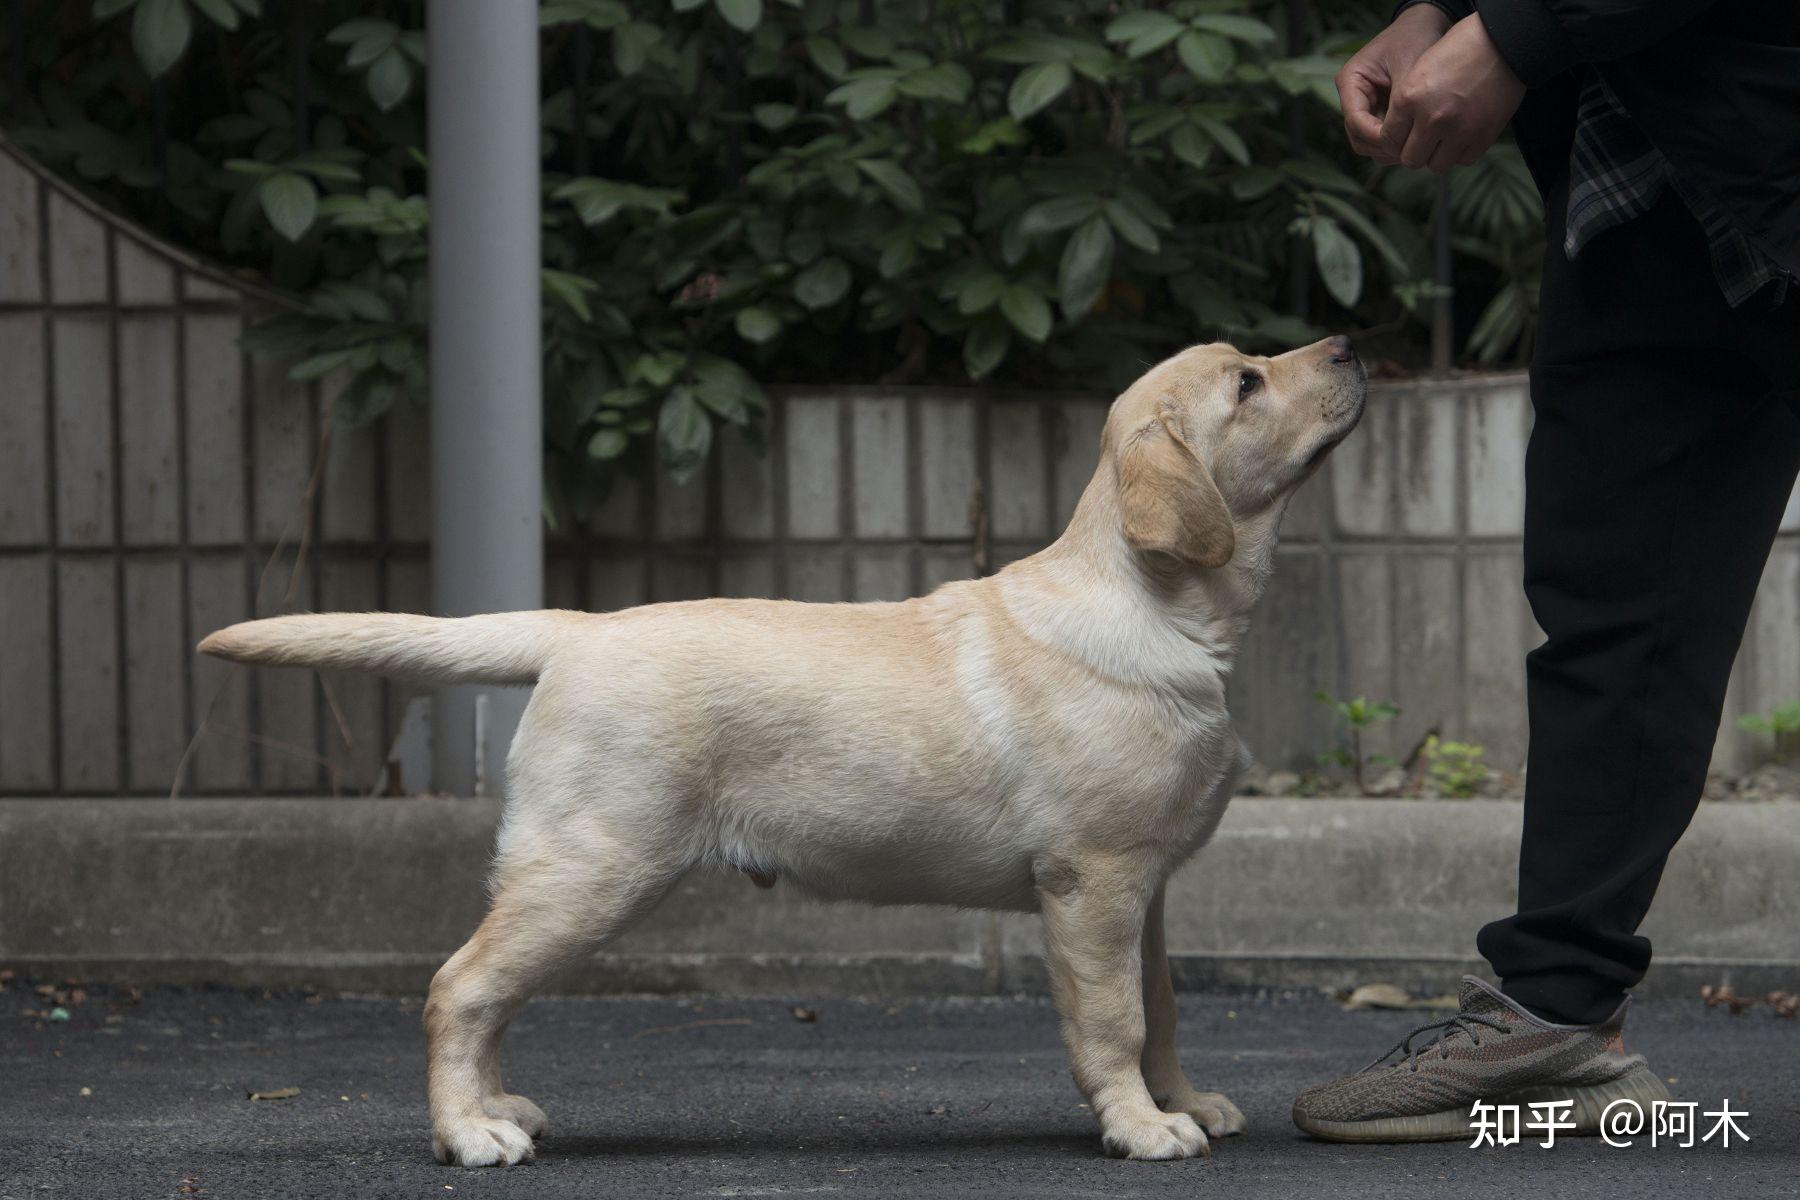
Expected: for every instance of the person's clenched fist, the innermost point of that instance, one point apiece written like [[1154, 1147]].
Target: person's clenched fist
[[1366, 83], [1452, 105]]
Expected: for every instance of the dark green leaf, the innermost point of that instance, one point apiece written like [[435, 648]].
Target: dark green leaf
[[1207, 57], [741, 15], [390, 78], [1027, 310], [159, 33], [1036, 88], [1339, 261], [607, 444], [985, 347], [822, 284], [1086, 265], [290, 202], [757, 325], [684, 433], [894, 181]]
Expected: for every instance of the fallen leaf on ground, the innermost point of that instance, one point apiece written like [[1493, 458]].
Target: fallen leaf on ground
[[1724, 996], [286, 1093], [802, 1013], [1387, 995]]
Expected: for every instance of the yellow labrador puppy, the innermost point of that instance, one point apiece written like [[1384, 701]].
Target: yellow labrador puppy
[[1051, 739]]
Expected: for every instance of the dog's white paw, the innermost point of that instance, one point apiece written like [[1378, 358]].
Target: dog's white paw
[[1217, 1115], [481, 1142], [1156, 1137], [518, 1110]]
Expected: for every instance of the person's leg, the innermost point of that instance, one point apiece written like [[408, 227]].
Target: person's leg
[[1657, 472]]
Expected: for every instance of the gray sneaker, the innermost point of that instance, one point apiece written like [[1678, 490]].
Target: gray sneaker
[[1491, 1050]]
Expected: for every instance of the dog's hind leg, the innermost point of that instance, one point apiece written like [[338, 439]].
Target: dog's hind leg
[[556, 898], [1163, 1075]]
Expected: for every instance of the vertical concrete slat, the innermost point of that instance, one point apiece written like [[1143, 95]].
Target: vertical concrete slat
[[21, 277], [215, 429], [1079, 424], [680, 577], [287, 707], [25, 674], [347, 508], [1367, 650], [88, 663], [1425, 437], [878, 467], [619, 517], [680, 512], [1286, 658], [1019, 507], [77, 253], [408, 590], [747, 505], [880, 573], [353, 722], [222, 751], [1426, 652], [144, 276], [947, 461], [84, 431], [618, 581], [1361, 474], [281, 462], [408, 468], [747, 575], [816, 575], [814, 492], [149, 430], [24, 476], [1495, 472], [155, 657], [1497, 633]]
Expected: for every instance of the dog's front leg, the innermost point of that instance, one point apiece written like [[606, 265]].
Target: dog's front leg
[[1093, 921], [1163, 1075]]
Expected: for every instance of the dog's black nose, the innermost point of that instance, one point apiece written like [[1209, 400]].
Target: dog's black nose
[[1341, 349]]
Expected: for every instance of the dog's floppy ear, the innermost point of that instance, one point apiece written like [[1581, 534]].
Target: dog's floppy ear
[[1167, 499]]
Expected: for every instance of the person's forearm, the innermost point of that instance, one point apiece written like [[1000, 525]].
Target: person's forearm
[[1542, 38]]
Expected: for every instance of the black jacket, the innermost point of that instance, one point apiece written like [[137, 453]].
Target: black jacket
[[1715, 84]]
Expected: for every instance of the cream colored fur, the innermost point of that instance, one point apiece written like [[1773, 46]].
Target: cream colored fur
[[1051, 739]]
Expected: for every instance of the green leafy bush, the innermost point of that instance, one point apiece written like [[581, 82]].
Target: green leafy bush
[[1359, 714], [744, 191], [1456, 769], [1781, 723]]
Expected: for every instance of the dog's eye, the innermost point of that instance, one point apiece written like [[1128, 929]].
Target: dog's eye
[[1248, 382]]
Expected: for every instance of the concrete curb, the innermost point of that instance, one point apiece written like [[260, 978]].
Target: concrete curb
[[371, 895]]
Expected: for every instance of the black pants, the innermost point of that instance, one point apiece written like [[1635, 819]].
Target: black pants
[[1663, 453]]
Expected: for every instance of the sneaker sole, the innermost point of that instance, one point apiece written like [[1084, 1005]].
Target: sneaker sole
[[1640, 1085]]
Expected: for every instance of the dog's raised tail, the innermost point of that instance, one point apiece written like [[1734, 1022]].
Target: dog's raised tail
[[491, 648]]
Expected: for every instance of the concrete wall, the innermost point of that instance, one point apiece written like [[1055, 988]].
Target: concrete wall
[[158, 483], [375, 894]]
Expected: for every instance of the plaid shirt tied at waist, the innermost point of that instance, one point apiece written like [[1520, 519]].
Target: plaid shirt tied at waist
[[1616, 174]]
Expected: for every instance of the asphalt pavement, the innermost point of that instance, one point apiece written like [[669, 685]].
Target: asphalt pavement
[[148, 1097]]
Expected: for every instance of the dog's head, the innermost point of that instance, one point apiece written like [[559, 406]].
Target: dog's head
[[1214, 436]]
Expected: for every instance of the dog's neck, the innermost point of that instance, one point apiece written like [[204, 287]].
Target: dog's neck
[[1209, 607]]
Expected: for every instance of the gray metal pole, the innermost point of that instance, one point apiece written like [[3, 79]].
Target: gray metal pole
[[487, 549]]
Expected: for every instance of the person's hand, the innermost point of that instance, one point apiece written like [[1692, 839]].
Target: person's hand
[[1453, 104], [1366, 83]]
